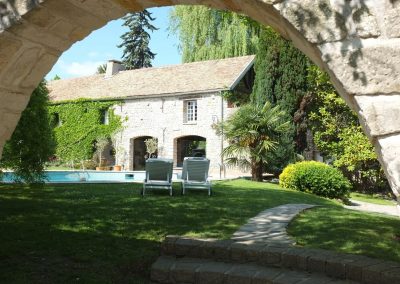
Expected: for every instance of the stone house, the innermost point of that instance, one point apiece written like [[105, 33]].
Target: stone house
[[178, 105]]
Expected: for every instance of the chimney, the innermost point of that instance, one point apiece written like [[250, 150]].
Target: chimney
[[113, 67]]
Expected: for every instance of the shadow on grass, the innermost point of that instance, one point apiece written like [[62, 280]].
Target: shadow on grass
[[103, 233]]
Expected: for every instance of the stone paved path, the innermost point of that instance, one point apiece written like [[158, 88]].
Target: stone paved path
[[376, 208], [270, 225]]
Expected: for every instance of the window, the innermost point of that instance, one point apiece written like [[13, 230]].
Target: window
[[105, 117], [190, 111]]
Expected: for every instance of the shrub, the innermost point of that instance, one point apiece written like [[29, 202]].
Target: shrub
[[317, 178]]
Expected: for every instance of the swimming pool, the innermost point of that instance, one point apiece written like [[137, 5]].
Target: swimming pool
[[87, 176]]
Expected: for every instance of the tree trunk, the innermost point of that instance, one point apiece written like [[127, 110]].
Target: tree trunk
[[256, 171]]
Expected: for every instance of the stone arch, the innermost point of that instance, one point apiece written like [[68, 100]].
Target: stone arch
[[182, 147], [356, 42], [137, 152]]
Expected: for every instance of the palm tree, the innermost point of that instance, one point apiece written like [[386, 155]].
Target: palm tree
[[252, 132]]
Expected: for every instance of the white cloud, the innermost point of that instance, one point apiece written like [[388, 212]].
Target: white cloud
[[80, 68], [93, 54]]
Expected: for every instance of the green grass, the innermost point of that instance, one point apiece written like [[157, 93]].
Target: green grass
[[109, 234], [372, 198], [347, 231]]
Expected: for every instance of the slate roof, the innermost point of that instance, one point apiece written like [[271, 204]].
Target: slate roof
[[190, 78]]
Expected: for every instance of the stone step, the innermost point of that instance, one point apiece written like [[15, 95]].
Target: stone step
[[169, 269], [356, 268]]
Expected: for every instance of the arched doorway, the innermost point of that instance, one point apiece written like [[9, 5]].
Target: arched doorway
[[356, 42], [189, 146], [139, 152]]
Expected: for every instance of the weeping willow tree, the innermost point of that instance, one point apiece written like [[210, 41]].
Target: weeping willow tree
[[206, 33]]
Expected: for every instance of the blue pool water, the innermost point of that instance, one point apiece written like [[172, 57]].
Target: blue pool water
[[85, 176]]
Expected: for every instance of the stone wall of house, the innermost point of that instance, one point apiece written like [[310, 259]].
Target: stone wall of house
[[163, 118]]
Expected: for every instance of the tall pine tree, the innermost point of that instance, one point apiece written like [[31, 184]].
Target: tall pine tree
[[135, 42]]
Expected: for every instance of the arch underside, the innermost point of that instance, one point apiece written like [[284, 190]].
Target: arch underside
[[356, 42]]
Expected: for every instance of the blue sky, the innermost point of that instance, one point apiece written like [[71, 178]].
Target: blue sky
[[83, 57]]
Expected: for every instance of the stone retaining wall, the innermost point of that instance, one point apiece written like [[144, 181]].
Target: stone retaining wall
[[357, 268]]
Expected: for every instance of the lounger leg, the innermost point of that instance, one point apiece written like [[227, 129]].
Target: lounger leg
[[183, 188], [170, 190], [143, 190]]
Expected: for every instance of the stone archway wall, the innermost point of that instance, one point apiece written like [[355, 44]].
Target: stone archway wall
[[357, 42]]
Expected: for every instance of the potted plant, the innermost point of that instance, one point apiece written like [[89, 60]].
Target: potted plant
[[151, 147]]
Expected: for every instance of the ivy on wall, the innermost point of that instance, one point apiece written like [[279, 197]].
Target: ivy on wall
[[78, 124]]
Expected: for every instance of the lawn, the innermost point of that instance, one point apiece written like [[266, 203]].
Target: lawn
[[109, 234], [372, 198]]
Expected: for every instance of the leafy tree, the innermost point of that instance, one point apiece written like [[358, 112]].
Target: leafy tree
[[101, 69], [252, 131], [338, 135], [56, 77], [206, 33], [32, 143], [135, 42]]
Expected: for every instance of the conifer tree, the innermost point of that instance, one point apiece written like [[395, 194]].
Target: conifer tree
[[135, 42], [32, 142]]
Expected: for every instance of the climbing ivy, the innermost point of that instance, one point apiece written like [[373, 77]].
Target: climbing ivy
[[78, 124]]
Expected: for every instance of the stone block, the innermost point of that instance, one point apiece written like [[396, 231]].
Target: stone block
[[389, 150], [161, 268], [271, 256], [354, 270], [106, 9], [266, 276], [13, 101], [373, 274], [9, 46], [391, 276], [212, 273], [186, 247], [241, 274], [184, 270], [40, 36], [380, 113], [316, 20], [74, 14], [391, 19], [238, 252], [222, 250], [21, 67], [168, 245], [39, 70], [365, 67]]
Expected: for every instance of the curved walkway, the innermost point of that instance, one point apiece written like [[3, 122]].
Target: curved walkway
[[374, 208], [269, 226]]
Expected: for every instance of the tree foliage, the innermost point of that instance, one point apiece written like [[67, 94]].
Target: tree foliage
[[32, 142], [101, 69], [79, 124], [135, 41], [252, 132], [281, 78], [339, 136], [206, 33]]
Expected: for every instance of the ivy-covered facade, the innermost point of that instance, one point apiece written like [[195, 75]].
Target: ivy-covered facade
[[79, 124]]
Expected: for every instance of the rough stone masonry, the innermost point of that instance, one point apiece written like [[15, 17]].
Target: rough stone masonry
[[357, 42]]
